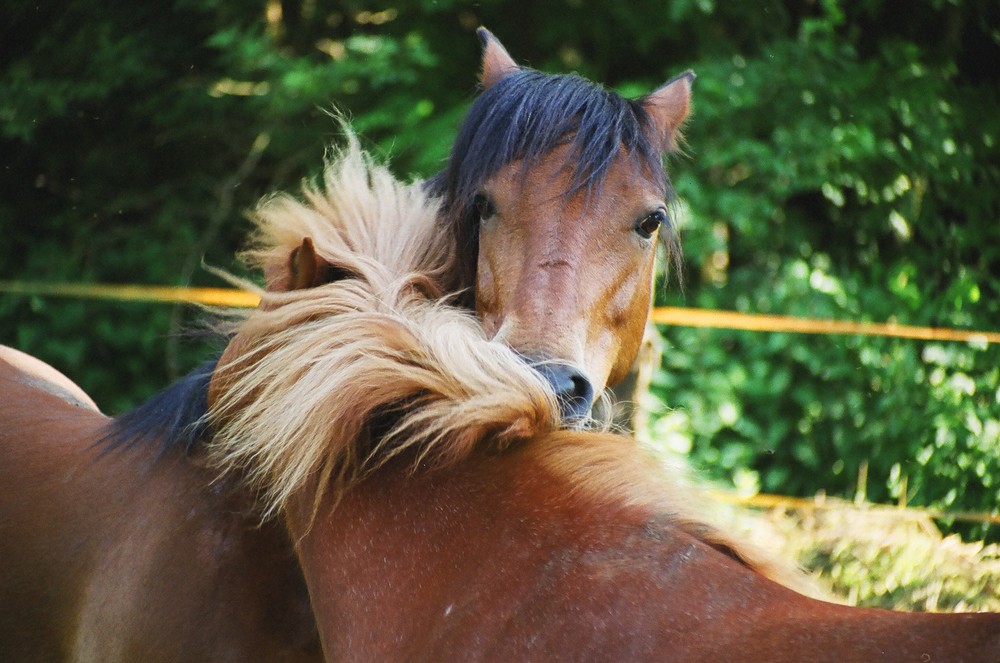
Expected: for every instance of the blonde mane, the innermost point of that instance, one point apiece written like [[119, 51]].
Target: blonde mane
[[331, 382], [328, 383]]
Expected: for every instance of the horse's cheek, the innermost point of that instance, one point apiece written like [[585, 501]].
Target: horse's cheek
[[487, 299], [626, 311]]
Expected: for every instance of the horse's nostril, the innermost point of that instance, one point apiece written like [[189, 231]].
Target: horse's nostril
[[581, 389], [573, 389]]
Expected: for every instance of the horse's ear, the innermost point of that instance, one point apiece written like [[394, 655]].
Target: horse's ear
[[303, 266], [669, 107], [497, 62], [304, 269]]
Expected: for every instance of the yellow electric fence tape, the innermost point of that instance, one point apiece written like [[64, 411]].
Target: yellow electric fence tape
[[669, 315], [136, 293], [666, 315]]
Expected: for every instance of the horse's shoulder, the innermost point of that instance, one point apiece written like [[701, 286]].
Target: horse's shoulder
[[35, 373]]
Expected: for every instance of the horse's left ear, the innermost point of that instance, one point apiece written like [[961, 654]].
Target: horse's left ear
[[497, 62], [669, 107]]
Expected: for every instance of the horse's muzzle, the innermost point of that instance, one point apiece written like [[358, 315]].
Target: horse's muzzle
[[574, 390]]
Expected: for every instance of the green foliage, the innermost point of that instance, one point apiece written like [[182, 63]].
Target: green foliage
[[841, 164], [843, 176], [134, 137]]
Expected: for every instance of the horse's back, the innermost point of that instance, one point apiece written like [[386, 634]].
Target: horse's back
[[503, 561], [46, 426], [128, 554], [33, 372]]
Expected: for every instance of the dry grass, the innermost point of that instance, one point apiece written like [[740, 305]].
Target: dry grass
[[881, 556]]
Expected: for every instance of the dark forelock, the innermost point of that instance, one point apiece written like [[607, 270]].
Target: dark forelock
[[527, 113]]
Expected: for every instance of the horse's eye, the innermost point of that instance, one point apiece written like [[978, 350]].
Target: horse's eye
[[485, 207], [649, 224]]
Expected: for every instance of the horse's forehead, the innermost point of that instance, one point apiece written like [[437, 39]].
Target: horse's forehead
[[555, 178]]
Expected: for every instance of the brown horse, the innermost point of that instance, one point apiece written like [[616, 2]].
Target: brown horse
[[557, 194], [439, 511], [141, 557]]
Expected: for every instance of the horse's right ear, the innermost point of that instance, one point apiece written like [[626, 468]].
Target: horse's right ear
[[668, 107], [497, 62], [303, 269], [304, 266]]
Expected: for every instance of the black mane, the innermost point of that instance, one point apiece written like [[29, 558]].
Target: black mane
[[172, 419], [524, 116]]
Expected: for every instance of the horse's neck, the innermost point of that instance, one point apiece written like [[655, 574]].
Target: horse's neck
[[497, 559], [487, 557]]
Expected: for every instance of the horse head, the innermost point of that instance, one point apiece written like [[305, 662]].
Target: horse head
[[558, 194]]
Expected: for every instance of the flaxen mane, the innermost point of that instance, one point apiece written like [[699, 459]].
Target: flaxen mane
[[332, 381]]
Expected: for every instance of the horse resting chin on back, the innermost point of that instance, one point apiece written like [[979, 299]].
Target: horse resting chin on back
[[557, 195], [440, 510]]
